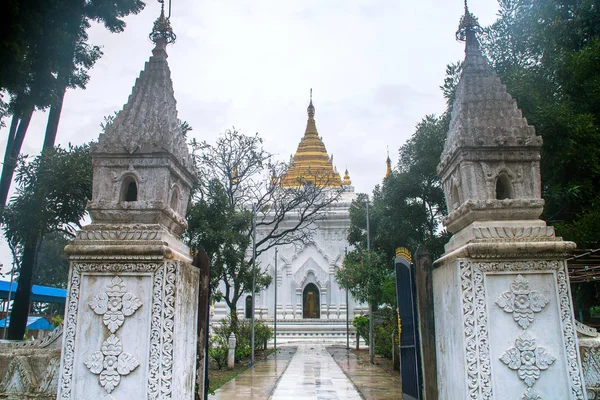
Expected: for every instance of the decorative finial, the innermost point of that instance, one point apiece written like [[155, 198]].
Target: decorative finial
[[388, 164], [311, 108], [468, 26], [162, 33]]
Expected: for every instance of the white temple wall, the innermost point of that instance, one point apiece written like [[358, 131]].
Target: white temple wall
[[298, 265]]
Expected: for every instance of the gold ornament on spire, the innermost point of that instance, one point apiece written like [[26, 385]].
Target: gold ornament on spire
[[162, 33], [346, 180], [468, 24], [311, 163]]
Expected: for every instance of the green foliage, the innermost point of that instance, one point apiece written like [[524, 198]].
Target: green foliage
[[363, 273], [385, 323], [242, 329], [51, 264], [361, 323], [217, 351], [548, 55], [56, 320], [262, 334], [52, 193], [51, 196]]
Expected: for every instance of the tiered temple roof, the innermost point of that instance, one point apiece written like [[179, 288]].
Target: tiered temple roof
[[311, 163]]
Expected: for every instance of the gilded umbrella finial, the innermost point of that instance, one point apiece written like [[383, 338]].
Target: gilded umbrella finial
[[162, 31], [468, 24]]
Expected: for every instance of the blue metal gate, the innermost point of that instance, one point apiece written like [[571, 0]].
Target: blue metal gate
[[410, 357]]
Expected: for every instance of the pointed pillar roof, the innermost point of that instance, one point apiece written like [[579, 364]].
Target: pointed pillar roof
[[490, 163], [148, 121], [311, 162], [484, 114]]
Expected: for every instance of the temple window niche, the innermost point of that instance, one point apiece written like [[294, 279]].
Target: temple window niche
[[455, 198], [174, 199], [248, 306], [503, 187], [129, 189]]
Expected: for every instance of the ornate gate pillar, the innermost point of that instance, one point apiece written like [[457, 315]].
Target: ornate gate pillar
[[503, 315], [131, 314]]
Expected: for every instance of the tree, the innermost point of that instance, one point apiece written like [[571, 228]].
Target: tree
[[51, 196], [364, 274], [51, 263], [548, 55], [239, 184], [45, 50]]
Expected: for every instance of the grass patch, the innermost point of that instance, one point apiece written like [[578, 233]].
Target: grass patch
[[219, 377]]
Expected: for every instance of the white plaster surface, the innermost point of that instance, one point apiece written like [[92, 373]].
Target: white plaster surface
[[546, 329], [91, 332], [448, 331]]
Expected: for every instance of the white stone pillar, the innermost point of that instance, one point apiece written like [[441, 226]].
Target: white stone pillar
[[231, 351], [130, 318], [324, 309], [504, 322]]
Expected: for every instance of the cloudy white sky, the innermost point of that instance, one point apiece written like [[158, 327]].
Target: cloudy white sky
[[375, 67]]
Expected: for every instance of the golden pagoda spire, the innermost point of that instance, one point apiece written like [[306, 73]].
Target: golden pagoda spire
[[346, 180], [311, 163], [388, 162]]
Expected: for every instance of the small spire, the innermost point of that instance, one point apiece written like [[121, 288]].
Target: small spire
[[468, 29], [311, 108], [388, 163], [346, 180], [162, 33]]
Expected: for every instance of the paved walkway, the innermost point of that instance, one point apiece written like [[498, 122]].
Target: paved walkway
[[311, 374], [373, 383], [257, 382]]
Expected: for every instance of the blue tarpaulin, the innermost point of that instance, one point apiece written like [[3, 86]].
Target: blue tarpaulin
[[33, 324], [44, 294]]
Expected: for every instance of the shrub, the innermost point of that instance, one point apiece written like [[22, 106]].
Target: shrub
[[385, 323], [262, 334], [243, 335], [361, 323], [217, 351]]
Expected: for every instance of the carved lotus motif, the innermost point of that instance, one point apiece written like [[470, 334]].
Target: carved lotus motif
[[111, 363], [527, 359], [115, 304], [530, 394], [522, 302]]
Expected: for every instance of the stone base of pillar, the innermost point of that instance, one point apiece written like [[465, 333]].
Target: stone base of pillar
[[504, 323], [130, 321]]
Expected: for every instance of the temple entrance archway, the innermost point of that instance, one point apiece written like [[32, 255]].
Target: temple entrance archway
[[310, 302]]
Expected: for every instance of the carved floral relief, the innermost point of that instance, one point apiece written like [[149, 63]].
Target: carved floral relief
[[527, 358], [522, 302], [115, 304], [111, 363]]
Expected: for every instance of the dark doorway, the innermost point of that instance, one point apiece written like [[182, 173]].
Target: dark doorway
[[310, 302], [248, 306]]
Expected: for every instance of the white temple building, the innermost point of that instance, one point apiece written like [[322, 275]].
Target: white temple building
[[310, 303]]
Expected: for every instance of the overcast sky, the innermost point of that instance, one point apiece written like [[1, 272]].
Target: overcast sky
[[375, 67]]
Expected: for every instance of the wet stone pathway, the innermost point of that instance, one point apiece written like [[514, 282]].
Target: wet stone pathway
[[372, 382], [257, 382], [312, 372]]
